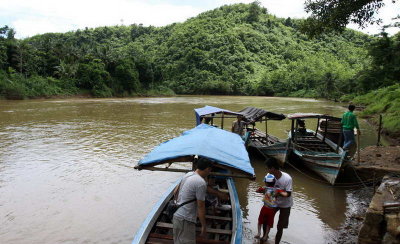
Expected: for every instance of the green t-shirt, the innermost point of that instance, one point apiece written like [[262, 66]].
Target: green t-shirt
[[349, 121]]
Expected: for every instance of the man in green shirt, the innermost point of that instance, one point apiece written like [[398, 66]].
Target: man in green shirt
[[349, 122]]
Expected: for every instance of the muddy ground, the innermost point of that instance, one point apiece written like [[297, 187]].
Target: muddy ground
[[380, 157], [382, 161], [358, 201]]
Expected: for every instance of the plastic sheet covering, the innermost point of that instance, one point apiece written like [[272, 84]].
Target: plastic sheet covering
[[220, 146], [252, 114], [210, 110]]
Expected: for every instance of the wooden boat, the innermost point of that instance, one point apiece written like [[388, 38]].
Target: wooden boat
[[333, 129], [230, 158], [267, 144], [317, 152]]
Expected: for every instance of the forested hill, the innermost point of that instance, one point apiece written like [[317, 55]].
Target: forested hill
[[236, 49]]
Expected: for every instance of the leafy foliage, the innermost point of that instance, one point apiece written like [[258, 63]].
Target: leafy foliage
[[235, 49], [335, 15], [385, 101]]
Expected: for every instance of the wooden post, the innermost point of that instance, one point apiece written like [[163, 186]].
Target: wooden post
[[358, 147], [378, 143]]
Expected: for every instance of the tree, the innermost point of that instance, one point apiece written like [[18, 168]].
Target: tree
[[127, 75], [3, 47], [335, 15], [254, 12]]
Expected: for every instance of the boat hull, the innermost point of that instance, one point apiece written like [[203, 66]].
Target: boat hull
[[326, 165], [327, 161], [269, 146], [146, 234], [277, 151]]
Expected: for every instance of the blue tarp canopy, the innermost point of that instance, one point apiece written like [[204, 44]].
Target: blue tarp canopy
[[223, 147], [210, 110]]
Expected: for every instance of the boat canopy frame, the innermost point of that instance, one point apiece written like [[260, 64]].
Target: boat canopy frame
[[225, 149], [252, 115], [209, 113], [295, 118]]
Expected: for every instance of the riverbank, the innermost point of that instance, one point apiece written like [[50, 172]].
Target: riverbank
[[357, 201], [375, 163], [385, 102]]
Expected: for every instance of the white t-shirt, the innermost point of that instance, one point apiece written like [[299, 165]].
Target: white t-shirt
[[284, 183]]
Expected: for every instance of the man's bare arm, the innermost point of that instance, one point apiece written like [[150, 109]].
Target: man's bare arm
[[201, 212]]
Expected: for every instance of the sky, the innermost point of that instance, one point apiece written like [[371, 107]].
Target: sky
[[31, 17]]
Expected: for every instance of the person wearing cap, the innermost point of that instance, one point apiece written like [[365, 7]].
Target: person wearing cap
[[268, 210], [284, 200]]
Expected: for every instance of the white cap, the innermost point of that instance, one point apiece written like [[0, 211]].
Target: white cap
[[269, 178]]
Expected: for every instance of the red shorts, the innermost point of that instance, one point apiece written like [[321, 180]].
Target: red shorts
[[267, 216]]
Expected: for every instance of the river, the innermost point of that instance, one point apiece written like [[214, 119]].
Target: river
[[66, 168]]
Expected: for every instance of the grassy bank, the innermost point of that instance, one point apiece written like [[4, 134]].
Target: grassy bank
[[385, 101], [18, 87]]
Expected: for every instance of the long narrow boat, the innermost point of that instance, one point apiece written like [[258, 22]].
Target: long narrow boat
[[267, 144], [318, 153], [230, 158]]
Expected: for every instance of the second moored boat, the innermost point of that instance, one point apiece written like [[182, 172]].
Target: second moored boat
[[317, 152]]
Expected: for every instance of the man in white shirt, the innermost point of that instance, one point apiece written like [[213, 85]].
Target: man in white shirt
[[283, 182]]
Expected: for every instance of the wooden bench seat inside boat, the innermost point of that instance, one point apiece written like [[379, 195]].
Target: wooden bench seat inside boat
[[209, 230], [161, 238], [218, 218]]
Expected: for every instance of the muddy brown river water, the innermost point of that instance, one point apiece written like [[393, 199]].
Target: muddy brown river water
[[66, 171]]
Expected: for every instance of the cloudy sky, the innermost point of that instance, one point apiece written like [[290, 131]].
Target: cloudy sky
[[30, 17]]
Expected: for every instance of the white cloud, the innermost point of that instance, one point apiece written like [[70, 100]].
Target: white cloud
[[287, 8], [36, 17], [30, 17]]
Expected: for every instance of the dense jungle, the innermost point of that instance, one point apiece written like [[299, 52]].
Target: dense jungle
[[239, 49]]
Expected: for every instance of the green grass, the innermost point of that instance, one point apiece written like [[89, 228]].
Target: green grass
[[16, 86], [385, 101]]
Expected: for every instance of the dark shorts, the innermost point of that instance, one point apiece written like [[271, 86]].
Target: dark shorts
[[283, 221], [266, 216]]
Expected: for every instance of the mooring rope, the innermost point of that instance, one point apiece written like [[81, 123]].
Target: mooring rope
[[337, 184]]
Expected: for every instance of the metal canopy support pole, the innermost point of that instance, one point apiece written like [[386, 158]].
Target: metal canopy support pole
[[222, 121], [266, 128], [297, 130], [326, 128], [292, 130], [316, 131], [340, 139]]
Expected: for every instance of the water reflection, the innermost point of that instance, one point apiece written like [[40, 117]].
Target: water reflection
[[317, 206]]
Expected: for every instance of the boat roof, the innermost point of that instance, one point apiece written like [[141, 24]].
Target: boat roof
[[311, 116], [252, 114], [222, 147], [208, 110]]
